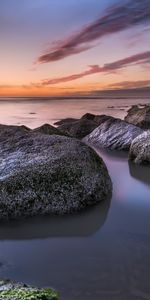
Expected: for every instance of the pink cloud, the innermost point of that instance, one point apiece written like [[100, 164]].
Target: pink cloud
[[137, 59]]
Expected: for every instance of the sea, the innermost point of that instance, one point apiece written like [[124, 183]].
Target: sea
[[34, 112], [102, 253]]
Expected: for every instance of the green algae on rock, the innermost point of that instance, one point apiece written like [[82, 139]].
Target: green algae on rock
[[16, 291]]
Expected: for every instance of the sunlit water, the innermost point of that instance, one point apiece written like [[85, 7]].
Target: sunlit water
[[100, 254]]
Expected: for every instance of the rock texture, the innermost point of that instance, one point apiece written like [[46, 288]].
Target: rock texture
[[140, 149], [17, 291], [42, 174], [47, 129], [99, 119], [11, 134], [113, 134], [139, 116], [9, 131], [78, 129]]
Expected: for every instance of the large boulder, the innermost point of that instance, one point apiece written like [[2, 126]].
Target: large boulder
[[140, 149], [139, 116], [17, 291], [78, 129], [42, 174], [113, 134]]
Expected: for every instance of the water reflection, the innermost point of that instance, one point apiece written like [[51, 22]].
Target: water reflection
[[141, 173], [82, 224]]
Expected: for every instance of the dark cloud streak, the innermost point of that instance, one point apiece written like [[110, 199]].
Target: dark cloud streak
[[130, 84], [117, 18]]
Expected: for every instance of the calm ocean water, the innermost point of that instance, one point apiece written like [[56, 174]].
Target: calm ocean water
[[100, 254], [34, 112]]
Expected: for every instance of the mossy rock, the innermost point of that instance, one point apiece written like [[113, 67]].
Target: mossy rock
[[16, 291]]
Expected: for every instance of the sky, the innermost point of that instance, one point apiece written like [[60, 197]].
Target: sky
[[70, 47]]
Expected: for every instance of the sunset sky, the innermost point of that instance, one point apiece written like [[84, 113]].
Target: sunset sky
[[56, 47]]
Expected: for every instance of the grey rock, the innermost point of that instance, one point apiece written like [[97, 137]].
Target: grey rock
[[140, 149], [100, 119], [78, 129], [139, 116], [88, 116], [8, 131], [47, 129], [42, 174], [113, 134], [9, 134]]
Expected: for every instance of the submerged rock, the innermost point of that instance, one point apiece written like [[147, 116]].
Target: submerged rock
[[47, 129], [139, 116], [113, 134], [78, 129], [17, 291], [140, 149], [42, 174]]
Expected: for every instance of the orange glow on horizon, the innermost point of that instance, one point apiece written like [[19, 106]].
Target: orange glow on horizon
[[31, 91]]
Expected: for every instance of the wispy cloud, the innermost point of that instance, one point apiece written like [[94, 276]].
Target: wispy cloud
[[130, 84], [117, 18], [138, 59]]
